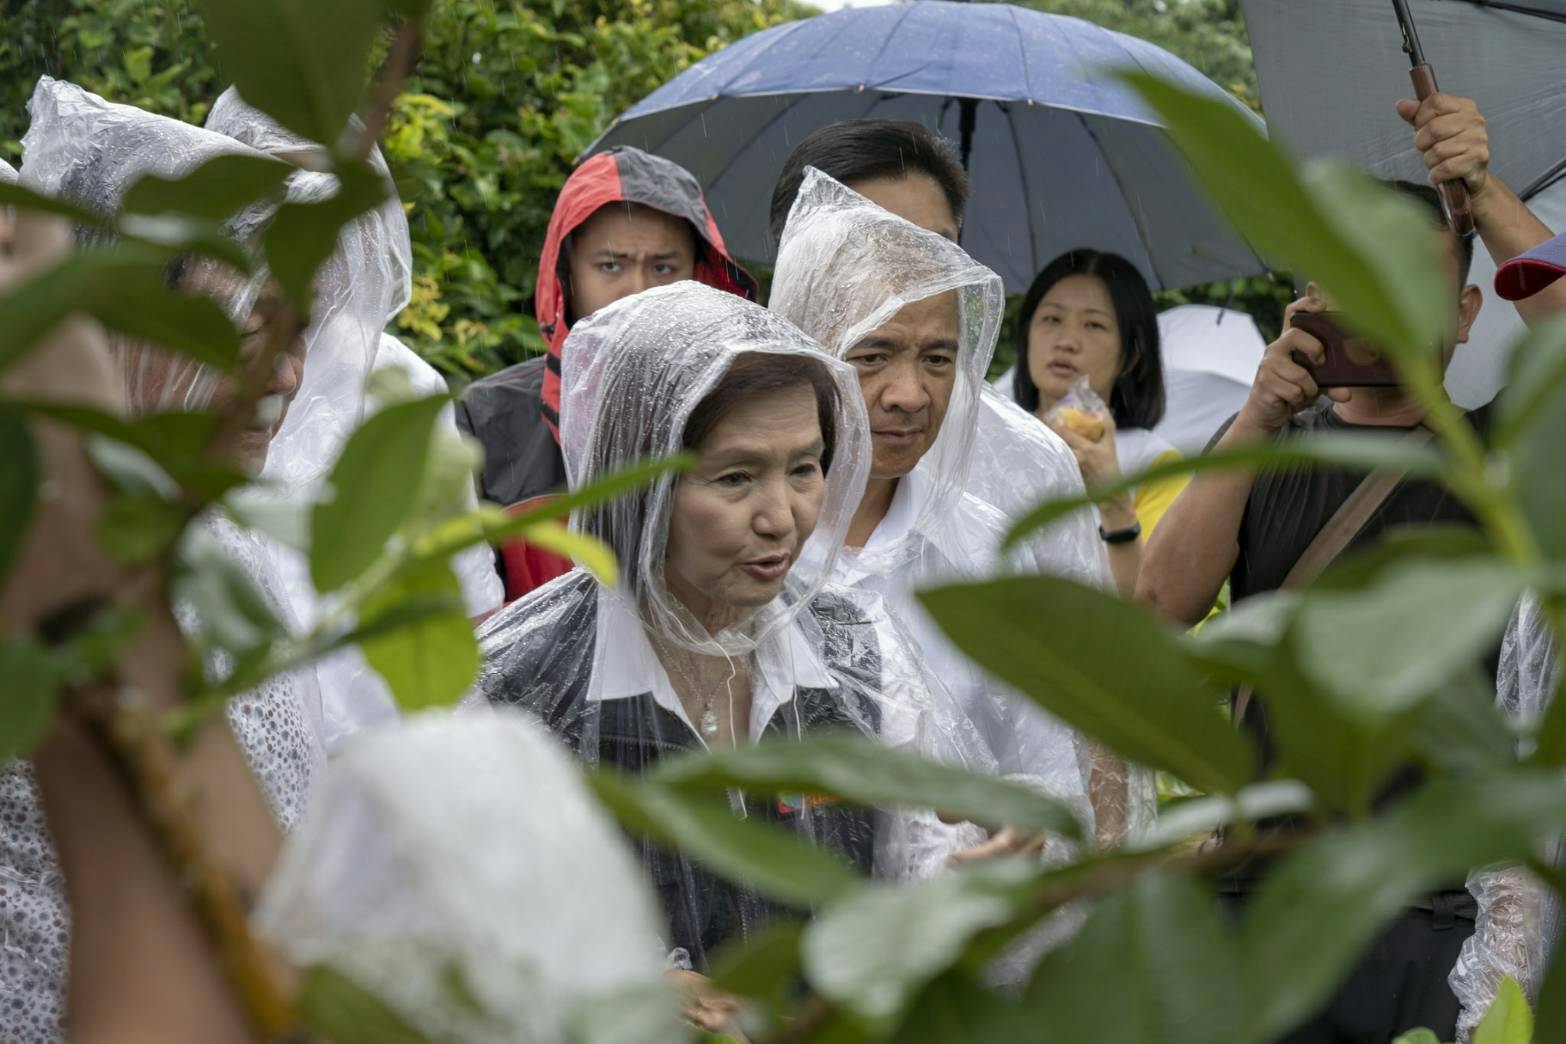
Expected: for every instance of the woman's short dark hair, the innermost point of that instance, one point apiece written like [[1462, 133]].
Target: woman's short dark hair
[[862, 150], [760, 373], [1137, 399]]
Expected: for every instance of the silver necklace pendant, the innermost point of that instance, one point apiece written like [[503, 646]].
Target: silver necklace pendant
[[709, 722]]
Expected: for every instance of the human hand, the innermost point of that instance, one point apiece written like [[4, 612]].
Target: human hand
[[702, 1003], [1006, 841], [1451, 137], [1282, 386]]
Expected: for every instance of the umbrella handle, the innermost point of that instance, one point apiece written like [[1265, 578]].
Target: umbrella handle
[[1454, 194]]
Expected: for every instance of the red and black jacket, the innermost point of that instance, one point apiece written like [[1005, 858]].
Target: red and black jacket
[[515, 414]]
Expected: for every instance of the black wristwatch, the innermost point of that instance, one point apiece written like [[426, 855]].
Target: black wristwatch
[[1121, 536]]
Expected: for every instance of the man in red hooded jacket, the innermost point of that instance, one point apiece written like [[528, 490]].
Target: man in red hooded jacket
[[625, 221]]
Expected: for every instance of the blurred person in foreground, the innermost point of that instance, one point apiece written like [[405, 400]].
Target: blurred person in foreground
[[625, 221], [1087, 336], [89, 152], [1252, 529]]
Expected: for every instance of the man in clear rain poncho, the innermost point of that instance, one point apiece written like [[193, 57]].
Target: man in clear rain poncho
[[90, 152], [721, 630], [369, 279], [954, 463]]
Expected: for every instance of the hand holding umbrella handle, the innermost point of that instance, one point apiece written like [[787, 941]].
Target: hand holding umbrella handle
[[1454, 194]]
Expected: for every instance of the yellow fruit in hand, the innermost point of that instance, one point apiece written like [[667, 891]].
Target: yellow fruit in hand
[[1085, 423]]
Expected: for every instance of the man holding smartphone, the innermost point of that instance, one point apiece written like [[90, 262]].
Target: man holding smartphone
[[1263, 531]]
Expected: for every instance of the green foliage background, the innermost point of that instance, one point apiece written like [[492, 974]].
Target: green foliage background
[[505, 96]]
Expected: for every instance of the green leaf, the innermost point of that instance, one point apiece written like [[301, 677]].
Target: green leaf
[[343, 1012], [1330, 450], [1369, 248], [18, 487], [1380, 651], [768, 859], [956, 1008], [212, 191], [1174, 966], [1460, 732], [764, 967], [1550, 1019], [1201, 816], [872, 952], [231, 612], [138, 527], [303, 235], [865, 772], [430, 661], [304, 64], [31, 693], [1509, 1020], [14, 194], [1102, 666], [629, 1015], [1318, 908], [1531, 419], [1418, 1036], [373, 488], [122, 288]]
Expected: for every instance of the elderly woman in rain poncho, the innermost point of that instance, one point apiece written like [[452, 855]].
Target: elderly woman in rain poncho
[[720, 632], [90, 152], [954, 463], [367, 282]]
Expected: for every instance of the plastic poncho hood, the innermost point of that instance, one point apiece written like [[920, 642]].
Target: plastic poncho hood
[[634, 372], [622, 174], [846, 267]]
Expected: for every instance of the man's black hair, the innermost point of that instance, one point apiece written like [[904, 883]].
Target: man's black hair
[[862, 150], [1427, 195], [1137, 399]]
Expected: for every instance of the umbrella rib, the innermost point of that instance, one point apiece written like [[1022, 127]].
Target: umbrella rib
[[1027, 74], [907, 10], [1027, 194], [1136, 217], [1524, 9]]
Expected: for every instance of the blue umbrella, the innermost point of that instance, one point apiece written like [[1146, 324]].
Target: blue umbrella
[[1060, 153]]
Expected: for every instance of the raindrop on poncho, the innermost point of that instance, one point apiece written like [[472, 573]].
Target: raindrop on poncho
[[846, 267], [90, 151], [1519, 923], [606, 668], [362, 287], [456, 866]]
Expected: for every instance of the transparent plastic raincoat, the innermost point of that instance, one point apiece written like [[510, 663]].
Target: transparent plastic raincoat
[[362, 287], [456, 866], [845, 267], [90, 151], [1519, 921], [628, 675]]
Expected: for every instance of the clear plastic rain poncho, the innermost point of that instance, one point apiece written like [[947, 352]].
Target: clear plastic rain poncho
[[364, 284], [89, 151], [845, 267], [628, 675], [1519, 922], [457, 866]]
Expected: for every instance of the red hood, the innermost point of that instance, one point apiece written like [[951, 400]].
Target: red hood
[[622, 175]]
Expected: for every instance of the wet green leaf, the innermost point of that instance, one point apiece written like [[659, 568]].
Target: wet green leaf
[[304, 64], [1509, 1020], [774, 862], [372, 490], [431, 659], [1102, 665], [19, 480], [343, 1012], [869, 773], [213, 191], [29, 697], [303, 235]]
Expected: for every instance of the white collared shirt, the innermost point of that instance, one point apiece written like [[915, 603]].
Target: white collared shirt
[[625, 665]]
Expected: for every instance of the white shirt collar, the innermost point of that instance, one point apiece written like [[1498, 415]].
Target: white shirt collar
[[625, 665]]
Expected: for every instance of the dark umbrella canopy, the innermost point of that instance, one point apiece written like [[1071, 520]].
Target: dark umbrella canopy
[[1331, 71], [1061, 155]]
